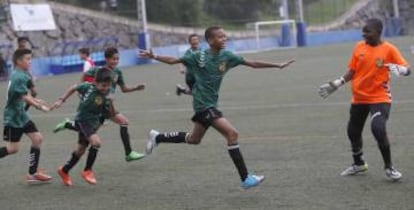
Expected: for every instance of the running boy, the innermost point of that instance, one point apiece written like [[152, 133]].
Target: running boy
[[16, 121], [23, 43], [369, 70], [93, 100], [194, 42], [112, 60], [209, 67]]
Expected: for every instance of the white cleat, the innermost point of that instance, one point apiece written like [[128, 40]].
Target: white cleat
[[393, 174], [355, 169], [152, 143]]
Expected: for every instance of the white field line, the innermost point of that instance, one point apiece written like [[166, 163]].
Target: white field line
[[247, 107]]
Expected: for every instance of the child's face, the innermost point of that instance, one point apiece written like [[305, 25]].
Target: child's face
[[113, 61], [218, 39], [194, 42], [23, 44], [83, 56], [24, 62], [103, 87]]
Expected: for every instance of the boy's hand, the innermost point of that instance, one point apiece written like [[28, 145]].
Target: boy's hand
[[57, 104], [287, 63], [147, 54], [140, 87]]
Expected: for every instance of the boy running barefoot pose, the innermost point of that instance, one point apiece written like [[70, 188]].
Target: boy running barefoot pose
[[93, 100], [209, 67], [16, 120]]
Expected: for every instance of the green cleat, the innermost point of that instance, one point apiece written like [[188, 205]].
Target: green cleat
[[134, 156], [61, 126]]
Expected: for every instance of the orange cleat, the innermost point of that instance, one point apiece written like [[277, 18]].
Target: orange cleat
[[65, 177], [88, 176], [38, 177]]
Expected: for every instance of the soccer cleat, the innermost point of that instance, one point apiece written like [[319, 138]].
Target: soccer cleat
[[38, 177], [61, 126], [134, 156], [355, 169], [152, 143], [393, 174], [180, 89], [65, 177], [88, 176], [252, 181]]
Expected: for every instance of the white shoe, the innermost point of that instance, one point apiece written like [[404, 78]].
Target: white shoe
[[355, 169], [152, 143], [393, 174]]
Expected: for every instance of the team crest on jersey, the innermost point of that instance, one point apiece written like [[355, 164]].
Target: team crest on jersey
[[115, 78], [379, 62], [223, 67], [98, 100]]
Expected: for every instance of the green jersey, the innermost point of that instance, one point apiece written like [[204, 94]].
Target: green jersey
[[208, 70], [117, 77], [91, 105], [14, 113]]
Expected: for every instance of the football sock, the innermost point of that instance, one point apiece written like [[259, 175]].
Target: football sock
[[238, 161], [358, 160], [34, 160], [3, 152], [386, 155], [125, 139], [71, 125], [72, 162], [171, 137], [93, 151]]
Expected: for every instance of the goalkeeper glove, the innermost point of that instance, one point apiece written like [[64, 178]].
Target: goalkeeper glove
[[327, 89], [398, 70]]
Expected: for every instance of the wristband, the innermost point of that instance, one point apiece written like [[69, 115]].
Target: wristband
[[338, 82]]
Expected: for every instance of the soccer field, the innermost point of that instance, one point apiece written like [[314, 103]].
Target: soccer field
[[287, 133]]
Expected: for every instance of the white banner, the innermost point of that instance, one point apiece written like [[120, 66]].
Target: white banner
[[32, 17]]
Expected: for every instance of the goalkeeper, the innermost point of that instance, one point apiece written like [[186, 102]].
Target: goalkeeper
[[369, 70]]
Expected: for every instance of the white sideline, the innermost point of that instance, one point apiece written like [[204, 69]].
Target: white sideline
[[247, 107]]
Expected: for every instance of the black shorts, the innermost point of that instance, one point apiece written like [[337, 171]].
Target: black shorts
[[15, 134], [85, 130], [207, 116]]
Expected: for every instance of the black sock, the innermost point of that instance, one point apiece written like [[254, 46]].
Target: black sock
[[72, 162], [125, 139], [93, 151], [238, 161], [358, 160], [3, 152], [34, 159], [71, 125], [386, 155], [171, 137]]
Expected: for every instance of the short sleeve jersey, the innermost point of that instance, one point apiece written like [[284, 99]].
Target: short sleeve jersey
[[92, 104], [209, 70], [14, 113], [371, 79], [117, 77]]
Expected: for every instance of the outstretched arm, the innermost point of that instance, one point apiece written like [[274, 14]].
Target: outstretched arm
[[37, 103], [328, 88], [162, 58], [261, 64], [126, 89], [64, 97]]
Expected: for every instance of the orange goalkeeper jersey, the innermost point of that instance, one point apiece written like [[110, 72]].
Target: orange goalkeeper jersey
[[371, 79]]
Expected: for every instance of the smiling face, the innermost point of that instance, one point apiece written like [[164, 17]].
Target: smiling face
[[112, 61], [217, 39]]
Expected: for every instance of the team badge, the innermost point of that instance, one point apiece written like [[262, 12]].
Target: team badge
[[379, 62], [223, 67], [98, 100]]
